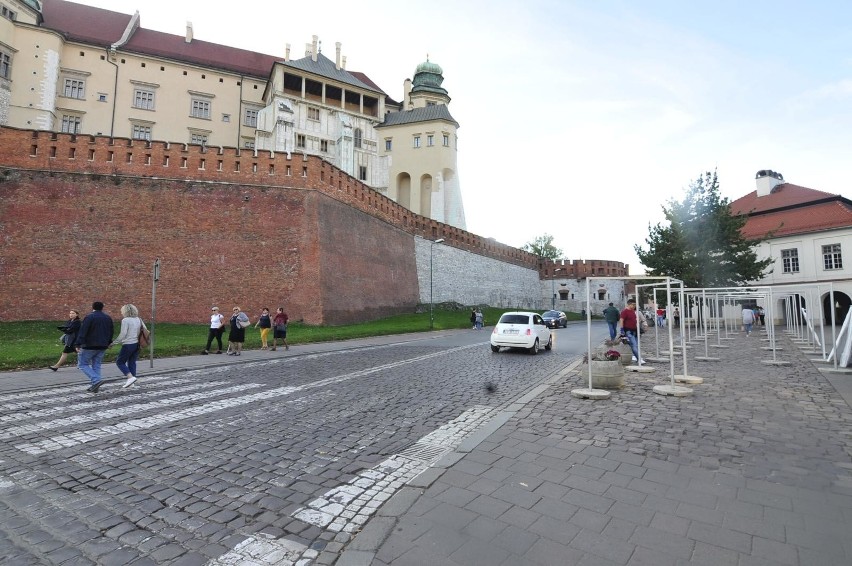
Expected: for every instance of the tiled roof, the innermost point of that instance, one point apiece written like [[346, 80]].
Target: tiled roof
[[782, 196], [800, 220], [327, 68], [422, 114], [83, 23]]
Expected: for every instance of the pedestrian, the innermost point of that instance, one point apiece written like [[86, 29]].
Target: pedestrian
[[215, 330], [661, 317], [676, 316], [473, 319], [627, 322], [280, 329], [265, 323], [239, 322], [762, 315], [92, 342], [748, 320], [479, 320], [69, 336], [128, 337], [611, 315]]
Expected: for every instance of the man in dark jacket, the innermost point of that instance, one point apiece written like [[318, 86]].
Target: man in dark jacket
[[92, 342], [611, 315]]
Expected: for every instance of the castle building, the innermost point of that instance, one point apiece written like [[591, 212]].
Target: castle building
[[76, 69]]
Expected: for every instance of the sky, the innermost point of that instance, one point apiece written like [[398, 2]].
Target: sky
[[582, 119]]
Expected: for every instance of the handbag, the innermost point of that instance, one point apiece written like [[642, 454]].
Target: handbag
[[280, 328], [144, 337]]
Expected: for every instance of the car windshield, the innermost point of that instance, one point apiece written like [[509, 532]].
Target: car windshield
[[554, 314], [515, 319]]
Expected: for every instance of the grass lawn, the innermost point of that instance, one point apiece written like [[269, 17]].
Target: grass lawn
[[33, 344]]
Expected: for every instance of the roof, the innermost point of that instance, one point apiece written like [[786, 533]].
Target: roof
[[75, 22], [327, 68], [791, 209], [423, 114]]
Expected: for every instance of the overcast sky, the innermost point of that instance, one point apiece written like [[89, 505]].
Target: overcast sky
[[582, 118]]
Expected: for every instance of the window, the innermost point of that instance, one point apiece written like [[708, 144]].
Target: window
[[323, 145], [357, 134], [430, 140], [200, 108], [249, 145], [141, 132], [71, 124], [198, 138], [431, 103], [250, 118], [831, 257], [790, 260], [362, 173], [102, 97], [5, 65], [300, 140], [416, 141], [226, 117], [143, 99], [75, 88], [313, 113], [388, 144], [446, 140]]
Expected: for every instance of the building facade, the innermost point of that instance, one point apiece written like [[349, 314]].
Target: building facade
[[76, 69]]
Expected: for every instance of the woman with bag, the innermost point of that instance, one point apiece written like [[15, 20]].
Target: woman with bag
[[265, 323], [215, 330], [131, 328], [239, 322], [280, 324], [70, 330]]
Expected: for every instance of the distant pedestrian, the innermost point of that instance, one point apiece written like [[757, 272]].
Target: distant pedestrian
[[762, 315], [92, 342], [611, 315], [676, 316], [661, 317], [748, 320], [215, 330], [69, 336], [239, 322], [264, 321], [480, 320], [279, 331], [128, 337], [473, 319]]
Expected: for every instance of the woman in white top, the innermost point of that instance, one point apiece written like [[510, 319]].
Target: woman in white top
[[131, 324], [216, 328]]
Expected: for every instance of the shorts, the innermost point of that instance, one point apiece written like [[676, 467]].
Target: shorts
[[280, 334]]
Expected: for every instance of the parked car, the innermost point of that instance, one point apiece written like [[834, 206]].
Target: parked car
[[521, 330], [555, 319]]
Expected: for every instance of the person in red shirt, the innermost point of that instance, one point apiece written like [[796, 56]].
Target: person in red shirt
[[279, 329], [628, 325]]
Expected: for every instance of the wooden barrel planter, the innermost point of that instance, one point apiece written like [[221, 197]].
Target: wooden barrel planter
[[607, 374]]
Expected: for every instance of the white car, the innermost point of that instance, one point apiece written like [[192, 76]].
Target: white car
[[521, 330]]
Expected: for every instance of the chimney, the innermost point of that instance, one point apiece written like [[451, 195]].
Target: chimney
[[287, 52], [767, 180], [343, 62], [314, 48], [188, 38], [406, 94], [337, 55]]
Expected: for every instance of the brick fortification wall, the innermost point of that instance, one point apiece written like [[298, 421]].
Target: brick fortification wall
[[83, 218]]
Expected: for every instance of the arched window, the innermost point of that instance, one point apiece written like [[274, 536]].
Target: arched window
[[357, 137]]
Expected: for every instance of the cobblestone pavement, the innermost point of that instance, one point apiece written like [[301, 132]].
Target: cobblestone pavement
[[279, 461], [753, 469]]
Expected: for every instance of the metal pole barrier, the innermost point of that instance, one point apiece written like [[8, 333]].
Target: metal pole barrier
[[155, 277]]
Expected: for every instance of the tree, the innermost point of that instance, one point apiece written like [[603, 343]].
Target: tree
[[543, 246], [702, 245]]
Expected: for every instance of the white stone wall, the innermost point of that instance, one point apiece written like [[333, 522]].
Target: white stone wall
[[5, 98], [575, 292], [471, 279]]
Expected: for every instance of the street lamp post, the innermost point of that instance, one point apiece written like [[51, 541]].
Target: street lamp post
[[431, 315], [553, 289]]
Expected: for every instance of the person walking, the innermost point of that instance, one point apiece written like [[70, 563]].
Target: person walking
[[239, 322], [70, 330], [215, 330], [748, 320], [128, 337], [611, 315], [480, 320], [661, 317], [627, 322], [265, 323], [280, 329], [676, 316], [473, 319], [761, 314], [91, 344]]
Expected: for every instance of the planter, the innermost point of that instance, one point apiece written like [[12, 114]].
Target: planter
[[626, 353], [607, 374]]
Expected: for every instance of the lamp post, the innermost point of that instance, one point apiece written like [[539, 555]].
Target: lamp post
[[431, 316], [553, 289]]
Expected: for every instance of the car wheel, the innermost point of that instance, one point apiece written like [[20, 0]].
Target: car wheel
[[549, 344], [534, 350], [495, 349], [565, 324]]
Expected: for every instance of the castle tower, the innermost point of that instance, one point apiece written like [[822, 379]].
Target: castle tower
[[420, 146]]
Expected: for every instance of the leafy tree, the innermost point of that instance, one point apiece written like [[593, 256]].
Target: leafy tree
[[543, 246], [702, 244]]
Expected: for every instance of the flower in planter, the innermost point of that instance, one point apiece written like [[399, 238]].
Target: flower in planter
[[601, 356], [612, 355]]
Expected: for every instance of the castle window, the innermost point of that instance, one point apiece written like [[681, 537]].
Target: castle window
[[831, 257], [446, 140], [226, 117], [143, 99], [71, 124], [200, 106], [300, 140], [362, 173], [431, 103], [249, 145], [5, 64], [357, 135], [790, 260], [388, 144], [324, 145], [313, 113], [141, 132], [250, 118], [75, 88], [198, 138], [416, 141], [430, 140]]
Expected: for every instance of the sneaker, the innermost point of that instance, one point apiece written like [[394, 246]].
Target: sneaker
[[94, 388], [130, 381], [287, 347], [232, 353], [204, 353], [633, 359], [53, 368], [219, 351]]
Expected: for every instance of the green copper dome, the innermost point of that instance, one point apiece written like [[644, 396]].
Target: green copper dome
[[429, 67], [428, 78]]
